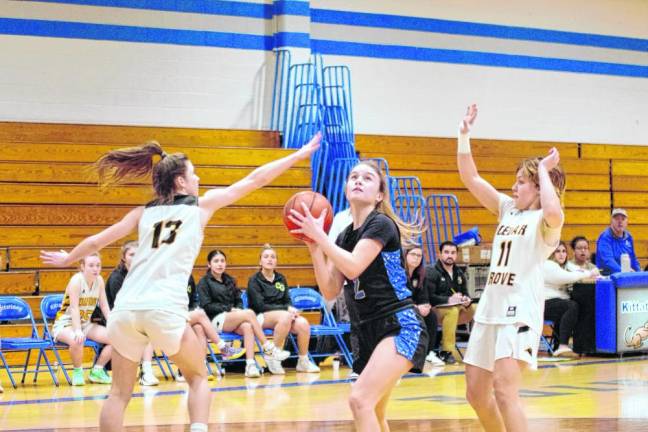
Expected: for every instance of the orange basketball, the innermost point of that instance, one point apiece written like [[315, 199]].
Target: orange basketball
[[315, 202]]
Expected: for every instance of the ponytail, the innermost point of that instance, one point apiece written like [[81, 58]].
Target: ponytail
[[120, 165]]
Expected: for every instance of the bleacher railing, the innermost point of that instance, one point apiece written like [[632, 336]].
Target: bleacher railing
[[444, 221], [280, 90]]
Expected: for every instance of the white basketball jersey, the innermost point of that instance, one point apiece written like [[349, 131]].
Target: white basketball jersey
[[515, 284], [169, 241], [88, 299]]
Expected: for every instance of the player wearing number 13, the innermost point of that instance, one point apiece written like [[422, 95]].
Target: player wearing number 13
[[152, 304], [508, 320]]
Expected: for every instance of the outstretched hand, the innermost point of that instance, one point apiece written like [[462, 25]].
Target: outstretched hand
[[551, 160], [309, 225], [56, 259], [469, 119], [311, 147]]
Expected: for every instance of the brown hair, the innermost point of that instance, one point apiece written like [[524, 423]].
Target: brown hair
[[553, 254], [82, 260], [408, 232], [130, 163], [124, 250], [529, 168], [418, 274]]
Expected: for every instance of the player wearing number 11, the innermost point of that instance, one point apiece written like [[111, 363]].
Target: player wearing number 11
[[152, 304], [508, 321]]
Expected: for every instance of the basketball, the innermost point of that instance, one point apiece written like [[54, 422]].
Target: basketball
[[315, 202]]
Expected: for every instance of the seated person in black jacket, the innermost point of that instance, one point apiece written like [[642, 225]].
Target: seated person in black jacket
[[416, 273], [446, 287], [220, 298], [269, 298]]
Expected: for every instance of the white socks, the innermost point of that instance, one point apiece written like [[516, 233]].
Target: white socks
[[146, 366], [198, 427]]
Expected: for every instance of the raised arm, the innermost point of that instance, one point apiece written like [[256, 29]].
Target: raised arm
[[215, 199], [549, 199], [485, 193], [96, 242]]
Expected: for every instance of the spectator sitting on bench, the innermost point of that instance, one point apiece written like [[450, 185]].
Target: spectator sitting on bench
[[446, 287]]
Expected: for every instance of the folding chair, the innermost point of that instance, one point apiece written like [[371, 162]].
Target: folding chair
[[49, 306], [548, 342], [15, 309], [309, 299]]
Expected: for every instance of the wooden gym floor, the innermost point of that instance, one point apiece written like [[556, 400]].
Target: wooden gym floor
[[592, 394]]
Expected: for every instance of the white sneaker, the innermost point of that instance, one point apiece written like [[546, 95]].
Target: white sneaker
[[148, 379], [432, 358], [275, 353], [307, 366], [565, 352], [252, 371], [275, 367]]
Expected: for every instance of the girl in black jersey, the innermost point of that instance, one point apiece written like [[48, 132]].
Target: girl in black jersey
[[393, 338]]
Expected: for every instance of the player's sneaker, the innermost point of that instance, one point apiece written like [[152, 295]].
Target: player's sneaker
[[252, 371], [275, 353], [77, 377], [148, 379], [275, 367], [228, 352], [305, 365], [99, 376], [432, 358]]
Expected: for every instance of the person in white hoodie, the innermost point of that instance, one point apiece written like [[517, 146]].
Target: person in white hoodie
[[559, 308]]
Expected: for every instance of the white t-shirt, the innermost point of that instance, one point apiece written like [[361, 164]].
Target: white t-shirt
[[169, 242], [514, 288], [558, 280]]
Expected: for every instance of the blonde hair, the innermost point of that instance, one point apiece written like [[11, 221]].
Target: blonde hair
[[82, 260], [408, 232], [529, 169], [265, 247]]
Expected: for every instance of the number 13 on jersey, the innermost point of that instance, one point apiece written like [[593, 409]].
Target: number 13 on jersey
[[167, 226]]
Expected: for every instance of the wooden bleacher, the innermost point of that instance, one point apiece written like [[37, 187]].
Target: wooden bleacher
[[49, 198], [599, 177]]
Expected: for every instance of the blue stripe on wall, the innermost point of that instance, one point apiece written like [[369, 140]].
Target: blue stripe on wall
[[211, 7], [75, 30], [399, 22], [292, 7], [293, 40], [364, 19], [475, 58]]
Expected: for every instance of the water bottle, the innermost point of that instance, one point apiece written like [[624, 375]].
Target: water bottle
[[625, 262]]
